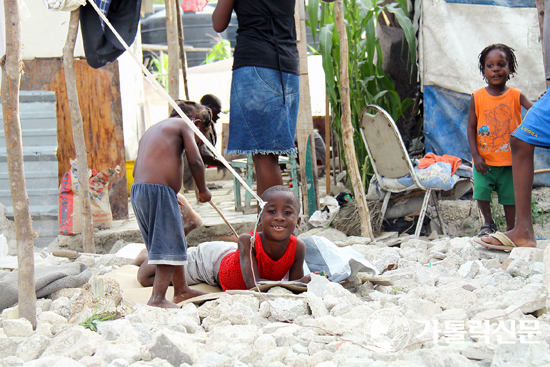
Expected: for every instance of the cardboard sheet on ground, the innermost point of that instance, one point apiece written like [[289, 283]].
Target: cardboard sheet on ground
[[133, 292]]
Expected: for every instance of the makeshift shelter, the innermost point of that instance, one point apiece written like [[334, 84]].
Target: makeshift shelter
[[452, 33]]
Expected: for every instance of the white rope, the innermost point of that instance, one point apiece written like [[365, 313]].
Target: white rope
[[176, 107]]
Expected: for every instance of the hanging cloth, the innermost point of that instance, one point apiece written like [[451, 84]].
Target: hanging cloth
[[193, 5], [100, 44]]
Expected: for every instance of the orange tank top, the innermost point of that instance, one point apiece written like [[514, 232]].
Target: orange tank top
[[497, 118], [230, 274]]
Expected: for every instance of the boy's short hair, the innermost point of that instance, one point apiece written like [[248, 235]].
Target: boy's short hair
[[510, 56], [196, 111], [211, 100], [282, 188]]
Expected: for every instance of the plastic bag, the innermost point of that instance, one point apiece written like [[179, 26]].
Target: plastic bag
[[323, 217], [338, 263]]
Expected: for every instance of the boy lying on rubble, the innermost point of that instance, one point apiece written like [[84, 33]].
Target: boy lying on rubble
[[276, 253]]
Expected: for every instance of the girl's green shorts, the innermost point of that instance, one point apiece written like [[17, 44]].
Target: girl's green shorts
[[498, 179]]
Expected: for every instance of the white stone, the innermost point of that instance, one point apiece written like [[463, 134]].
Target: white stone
[[469, 269], [317, 285], [525, 355], [92, 361], [288, 308], [74, 342], [119, 330], [8, 346], [421, 307], [62, 306], [529, 254], [463, 248], [109, 352], [51, 317], [213, 360], [478, 352], [54, 361], [316, 305], [119, 362], [17, 327], [425, 276], [264, 343], [453, 314], [538, 268], [32, 347], [154, 316], [11, 361], [519, 268], [525, 297], [354, 240]]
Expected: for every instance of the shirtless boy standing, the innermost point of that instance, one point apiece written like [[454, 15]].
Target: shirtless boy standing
[[158, 176]]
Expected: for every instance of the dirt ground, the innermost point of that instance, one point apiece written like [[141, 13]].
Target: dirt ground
[[462, 216]]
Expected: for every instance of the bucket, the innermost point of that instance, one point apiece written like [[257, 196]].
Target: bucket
[[129, 175]]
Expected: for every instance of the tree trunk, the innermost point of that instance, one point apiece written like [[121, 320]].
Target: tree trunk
[[78, 134], [183, 57], [347, 127], [12, 66], [172, 39], [304, 126]]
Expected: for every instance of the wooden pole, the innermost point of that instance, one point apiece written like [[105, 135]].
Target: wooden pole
[[327, 145], [173, 49], [304, 126], [183, 57], [347, 127], [78, 133], [12, 67]]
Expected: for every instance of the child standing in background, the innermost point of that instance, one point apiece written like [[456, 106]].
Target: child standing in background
[[495, 112]]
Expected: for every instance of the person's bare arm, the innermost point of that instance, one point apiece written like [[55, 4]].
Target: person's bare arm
[[525, 102], [248, 261], [297, 269], [195, 163], [479, 162], [222, 15]]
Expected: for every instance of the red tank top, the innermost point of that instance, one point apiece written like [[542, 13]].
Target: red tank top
[[230, 274]]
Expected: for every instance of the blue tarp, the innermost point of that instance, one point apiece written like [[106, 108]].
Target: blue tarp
[[445, 121]]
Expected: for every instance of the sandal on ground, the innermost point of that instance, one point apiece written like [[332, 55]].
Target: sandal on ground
[[487, 229]]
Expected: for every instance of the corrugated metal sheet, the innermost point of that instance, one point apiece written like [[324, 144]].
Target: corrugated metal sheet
[[39, 130]]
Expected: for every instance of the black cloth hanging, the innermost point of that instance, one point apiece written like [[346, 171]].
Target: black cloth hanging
[[100, 44]]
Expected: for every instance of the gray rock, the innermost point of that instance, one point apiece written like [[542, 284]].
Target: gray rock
[[119, 330], [264, 343], [174, 347]]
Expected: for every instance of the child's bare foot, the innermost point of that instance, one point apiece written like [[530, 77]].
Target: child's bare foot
[[191, 219], [190, 293], [162, 304]]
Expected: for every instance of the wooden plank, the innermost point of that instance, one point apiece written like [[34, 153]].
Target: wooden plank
[[101, 108]]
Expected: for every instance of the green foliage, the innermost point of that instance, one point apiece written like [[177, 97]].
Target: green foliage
[[539, 213], [92, 321], [369, 83], [158, 66], [220, 51]]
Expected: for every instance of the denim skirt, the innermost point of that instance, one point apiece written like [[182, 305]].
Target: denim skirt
[[262, 120]]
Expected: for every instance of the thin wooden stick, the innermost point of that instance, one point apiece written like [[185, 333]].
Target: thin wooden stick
[[347, 127], [225, 220]]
